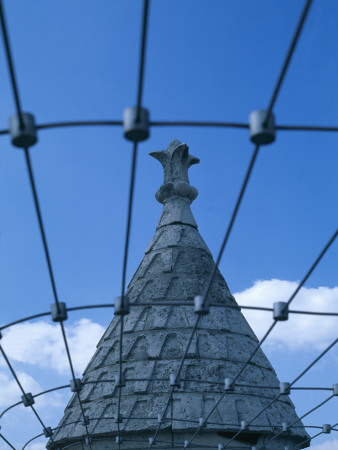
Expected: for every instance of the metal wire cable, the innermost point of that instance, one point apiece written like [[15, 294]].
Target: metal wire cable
[[176, 303], [293, 382], [314, 362], [190, 380], [20, 386], [300, 418], [312, 437], [288, 58], [291, 298], [173, 303], [131, 196], [178, 123], [273, 400], [11, 66], [79, 123], [140, 84], [179, 420], [271, 328], [7, 442], [36, 395], [41, 226], [50, 270], [33, 188]]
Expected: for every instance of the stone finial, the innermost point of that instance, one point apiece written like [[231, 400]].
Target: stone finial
[[176, 162], [176, 193]]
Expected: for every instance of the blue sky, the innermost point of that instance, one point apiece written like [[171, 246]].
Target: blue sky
[[205, 61]]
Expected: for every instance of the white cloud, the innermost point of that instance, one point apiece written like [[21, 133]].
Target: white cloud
[[327, 445], [300, 331], [37, 446], [41, 344]]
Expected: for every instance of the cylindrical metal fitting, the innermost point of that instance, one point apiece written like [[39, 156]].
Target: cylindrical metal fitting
[[262, 129], [228, 386], [284, 388], [120, 381], [173, 381], [326, 428], [335, 389], [88, 440], [118, 418], [48, 432], [199, 307], [121, 306], [75, 385], [136, 128], [280, 311], [84, 420], [28, 399], [59, 312], [25, 136], [201, 422]]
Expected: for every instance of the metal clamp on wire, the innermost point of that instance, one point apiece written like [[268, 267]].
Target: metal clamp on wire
[[228, 386], [262, 129], [121, 306], [23, 133], [75, 385], [199, 307], [326, 428], [244, 425], [280, 311], [48, 432], [118, 418], [202, 422], [59, 312], [84, 420], [120, 381], [136, 124], [88, 440], [28, 399], [173, 381], [284, 388], [160, 418]]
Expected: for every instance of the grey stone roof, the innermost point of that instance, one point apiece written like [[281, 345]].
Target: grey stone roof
[[176, 267]]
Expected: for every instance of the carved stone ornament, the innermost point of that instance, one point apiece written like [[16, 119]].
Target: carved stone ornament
[[176, 193]]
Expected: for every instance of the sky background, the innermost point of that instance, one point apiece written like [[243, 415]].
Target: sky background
[[205, 60]]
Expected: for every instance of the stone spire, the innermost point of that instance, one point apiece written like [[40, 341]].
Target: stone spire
[[176, 268]]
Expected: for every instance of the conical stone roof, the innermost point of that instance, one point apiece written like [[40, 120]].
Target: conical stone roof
[[176, 268]]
